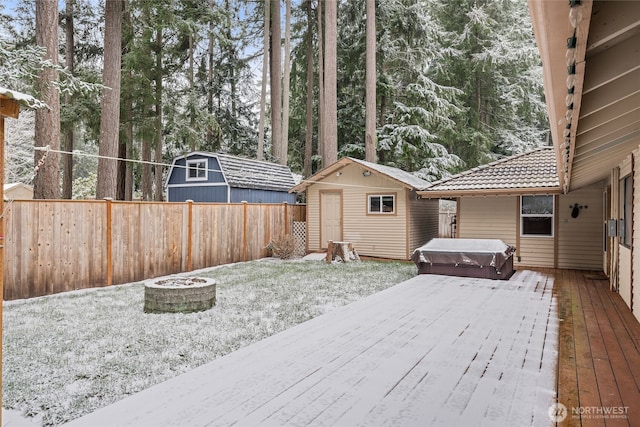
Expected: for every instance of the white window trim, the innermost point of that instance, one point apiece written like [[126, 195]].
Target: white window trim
[[369, 196], [551, 215], [196, 162]]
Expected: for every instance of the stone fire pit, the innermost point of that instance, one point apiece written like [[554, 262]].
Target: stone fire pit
[[179, 294]]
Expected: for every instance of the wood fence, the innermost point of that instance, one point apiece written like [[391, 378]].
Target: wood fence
[[446, 229], [54, 246]]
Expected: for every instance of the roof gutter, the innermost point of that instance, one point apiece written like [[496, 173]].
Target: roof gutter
[[491, 192]]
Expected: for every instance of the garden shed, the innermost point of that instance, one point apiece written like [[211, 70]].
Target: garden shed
[[373, 206], [214, 177], [18, 191], [519, 200]]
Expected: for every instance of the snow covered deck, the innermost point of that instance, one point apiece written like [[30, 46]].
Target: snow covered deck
[[434, 350]]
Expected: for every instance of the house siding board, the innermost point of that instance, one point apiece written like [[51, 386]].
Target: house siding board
[[580, 239], [203, 193], [497, 218], [423, 221], [488, 218], [536, 252], [624, 264], [381, 236], [260, 196]]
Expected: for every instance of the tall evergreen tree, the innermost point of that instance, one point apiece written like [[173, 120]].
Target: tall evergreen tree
[[110, 115], [495, 64], [47, 129]]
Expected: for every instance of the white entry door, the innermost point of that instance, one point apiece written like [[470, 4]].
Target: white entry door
[[330, 217]]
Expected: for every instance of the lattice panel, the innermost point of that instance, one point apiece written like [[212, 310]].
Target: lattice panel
[[300, 238]]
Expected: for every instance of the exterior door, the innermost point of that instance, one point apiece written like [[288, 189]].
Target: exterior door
[[330, 217]]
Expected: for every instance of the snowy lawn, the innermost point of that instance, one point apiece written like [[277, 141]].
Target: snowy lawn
[[68, 354]]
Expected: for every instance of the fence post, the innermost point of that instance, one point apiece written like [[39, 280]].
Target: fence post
[[190, 236], [109, 201], [244, 231], [286, 218]]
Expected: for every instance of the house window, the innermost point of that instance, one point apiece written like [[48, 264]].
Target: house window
[[382, 204], [626, 200], [536, 213], [197, 170]]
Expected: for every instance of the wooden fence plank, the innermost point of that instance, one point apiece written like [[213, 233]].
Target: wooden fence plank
[[60, 245]]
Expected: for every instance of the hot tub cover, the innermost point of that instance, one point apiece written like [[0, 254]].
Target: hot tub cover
[[469, 252]]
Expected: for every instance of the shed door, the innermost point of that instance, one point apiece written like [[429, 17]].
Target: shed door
[[330, 217]]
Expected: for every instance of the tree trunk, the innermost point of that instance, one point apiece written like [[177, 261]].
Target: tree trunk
[[146, 184], [286, 85], [231, 54], [46, 183], [67, 159], [210, 136], [330, 84], [110, 114], [370, 85], [276, 83], [308, 141], [263, 93], [125, 168], [158, 193], [320, 84]]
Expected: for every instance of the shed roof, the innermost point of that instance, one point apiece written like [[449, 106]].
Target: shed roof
[[249, 173], [531, 172], [241, 172], [22, 98], [404, 178]]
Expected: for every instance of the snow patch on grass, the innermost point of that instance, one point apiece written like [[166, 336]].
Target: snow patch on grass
[[69, 354]]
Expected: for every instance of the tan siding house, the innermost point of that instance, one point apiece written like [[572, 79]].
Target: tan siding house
[[594, 117], [375, 207], [494, 203]]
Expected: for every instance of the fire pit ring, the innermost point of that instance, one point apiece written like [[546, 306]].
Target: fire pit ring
[[179, 294]]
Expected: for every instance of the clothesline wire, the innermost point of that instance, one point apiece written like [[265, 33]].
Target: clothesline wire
[[48, 149]]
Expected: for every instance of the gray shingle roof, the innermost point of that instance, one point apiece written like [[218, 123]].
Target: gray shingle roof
[[532, 170], [249, 173], [395, 173], [404, 178]]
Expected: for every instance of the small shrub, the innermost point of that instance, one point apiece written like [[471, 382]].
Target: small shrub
[[283, 246]]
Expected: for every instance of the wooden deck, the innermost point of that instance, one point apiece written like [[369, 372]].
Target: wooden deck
[[599, 353], [434, 350]]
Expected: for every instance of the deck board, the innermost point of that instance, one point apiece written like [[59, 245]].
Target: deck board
[[604, 373], [434, 350]]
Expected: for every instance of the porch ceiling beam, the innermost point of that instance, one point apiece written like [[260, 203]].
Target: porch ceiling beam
[[629, 122], [596, 167], [612, 64], [625, 106], [624, 140], [607, 95], [611, 21], [488, 192]]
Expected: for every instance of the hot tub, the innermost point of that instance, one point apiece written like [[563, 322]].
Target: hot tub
[[485, 258]]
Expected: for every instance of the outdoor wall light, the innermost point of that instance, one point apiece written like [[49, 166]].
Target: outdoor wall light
[[575, 209], [366, 173], [338, 173]]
